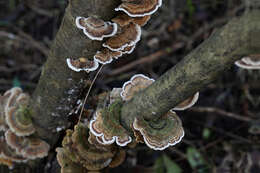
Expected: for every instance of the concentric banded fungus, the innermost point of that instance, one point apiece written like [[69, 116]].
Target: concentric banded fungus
[[252, 62], [105, 56], [81, 150], [161, 134], [137, 83], [67, 166], [82, 64], [187, 103], [124, 20], [128, 36], [111, 131], [8, 153], [17, 116], [19, 121], [96, 29], [139, 8], [118, 159], [27, 147]]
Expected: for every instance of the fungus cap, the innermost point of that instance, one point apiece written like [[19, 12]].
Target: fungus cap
[[19, 121], [105, 56], [96, 29], [124, 20], [82, 64], [251, 62], [137, 83], [161, 134], [27, 147], [6, 152], [139, 8], [187, 103], [108, 132], [128, 36]]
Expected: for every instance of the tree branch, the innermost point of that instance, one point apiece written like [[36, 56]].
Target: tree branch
[[202, 66], [59, 87]]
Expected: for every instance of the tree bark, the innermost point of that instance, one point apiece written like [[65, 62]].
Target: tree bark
[[59, 86], [238, 38]]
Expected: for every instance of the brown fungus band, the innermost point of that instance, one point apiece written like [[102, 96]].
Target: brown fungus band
[[82, 152], [165, 132], [139, 82], [96, 29], [14, 114], [106, 126], [139, 8]]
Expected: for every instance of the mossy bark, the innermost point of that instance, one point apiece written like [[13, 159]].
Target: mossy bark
[[202, 66], [59, 86]]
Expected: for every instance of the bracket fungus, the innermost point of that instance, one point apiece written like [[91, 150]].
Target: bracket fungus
[[111, 131], [96, 29], [18, 144], [129, 35], [27, 147], [137, 83], [105, 56], [187, 103], [251, 62], [82, 64], [82, 152], [161, 134], [139, 8], [124, 20]]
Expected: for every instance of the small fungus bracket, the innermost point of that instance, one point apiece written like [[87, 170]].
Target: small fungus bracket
[[106, 126], [165, 132], [139, 8], [251, 62]]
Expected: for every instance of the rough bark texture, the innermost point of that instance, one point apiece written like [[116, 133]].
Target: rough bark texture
[[59, 87], [202, 66]]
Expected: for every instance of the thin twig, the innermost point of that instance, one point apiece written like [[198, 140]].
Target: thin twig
[[92, 83], [221, 112]]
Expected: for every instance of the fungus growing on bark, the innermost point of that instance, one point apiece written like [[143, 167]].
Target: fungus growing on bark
[[82, 64], [124, 20], [6, 152], [27, 147], [105, 56], [161, 134], [6, 162], [128, 36], [83, 152], [14, 113], [137, 83], [187, 103], [139, 8], [111, 131], [96, 29], [251, 62]]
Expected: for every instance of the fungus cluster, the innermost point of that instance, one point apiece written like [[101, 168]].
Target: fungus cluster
[[121, 34], [164, 132], [251, 62], [81, 152], [17, 141], [105, 124]]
